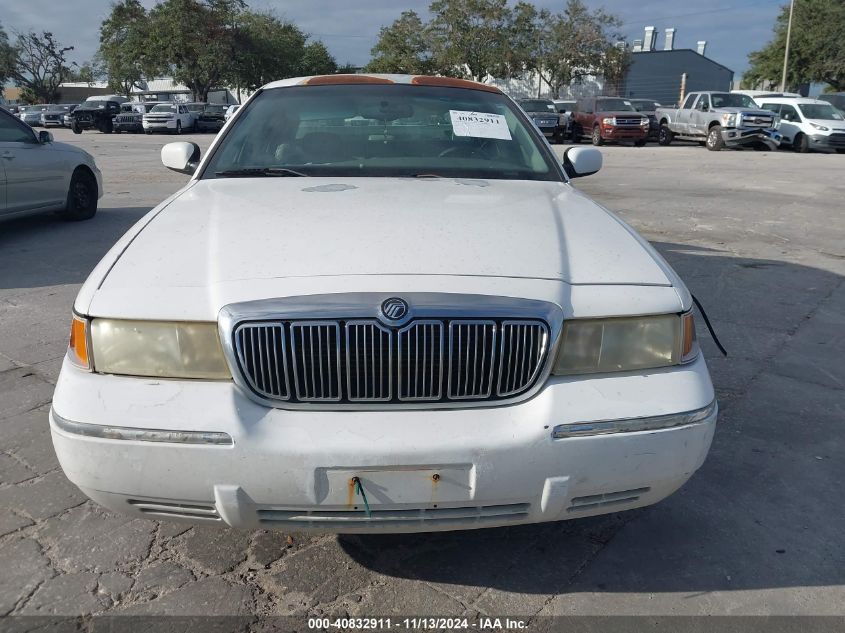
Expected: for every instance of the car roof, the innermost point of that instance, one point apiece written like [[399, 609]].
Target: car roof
[[416, 80]]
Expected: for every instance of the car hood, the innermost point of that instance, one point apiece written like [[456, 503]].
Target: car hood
[[541, 113], [223, 232], [622, 114]]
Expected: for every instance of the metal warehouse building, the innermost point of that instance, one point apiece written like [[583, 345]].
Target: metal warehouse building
[[657, 74]]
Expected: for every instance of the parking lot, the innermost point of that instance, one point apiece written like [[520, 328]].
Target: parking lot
[[759, 238]]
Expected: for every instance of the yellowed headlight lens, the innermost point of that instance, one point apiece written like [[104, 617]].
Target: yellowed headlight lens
[[619, 344], [155, 348]]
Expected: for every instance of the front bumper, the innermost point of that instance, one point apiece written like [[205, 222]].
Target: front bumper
[[127, 126], [736, 137], [169, 124], [827, 141], [295, 469], [615, 133]]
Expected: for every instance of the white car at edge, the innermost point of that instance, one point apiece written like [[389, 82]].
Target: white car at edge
[[379, 305]]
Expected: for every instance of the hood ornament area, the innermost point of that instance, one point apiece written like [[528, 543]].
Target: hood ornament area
[[394, 309]]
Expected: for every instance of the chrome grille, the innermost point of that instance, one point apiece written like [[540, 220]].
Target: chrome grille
[[369, 361], [363, 360], [315, 355], [421, 361], [472, 346], [756, 120], [630, 121], [523, 347], [262, 355]]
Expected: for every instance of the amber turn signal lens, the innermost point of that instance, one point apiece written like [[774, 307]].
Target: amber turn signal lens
[[689, 348], [78, 347]]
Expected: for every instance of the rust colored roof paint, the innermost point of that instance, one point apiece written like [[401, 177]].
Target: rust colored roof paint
[[451, 82], [328, 80]]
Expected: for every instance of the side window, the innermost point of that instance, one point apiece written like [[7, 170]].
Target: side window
[[688, 101], [788, 113], [703, 103], [13, 131], [771, 107]]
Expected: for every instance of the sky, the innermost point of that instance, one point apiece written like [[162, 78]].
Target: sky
[[732, 28]]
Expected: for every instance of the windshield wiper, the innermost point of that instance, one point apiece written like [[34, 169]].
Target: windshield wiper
[[424, 176], [250, 172]]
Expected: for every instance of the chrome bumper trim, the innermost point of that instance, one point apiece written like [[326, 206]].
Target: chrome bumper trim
[[141, 435], [632, 425]]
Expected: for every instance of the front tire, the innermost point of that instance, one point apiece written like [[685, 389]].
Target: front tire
[[75, 127], [801, 144], [665, 136], [178, 127], [81, 197], [714, 139], [640, 143], [596, 138]]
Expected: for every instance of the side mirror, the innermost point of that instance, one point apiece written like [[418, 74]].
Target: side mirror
[[45, 137], [581, 161], [181, 156]]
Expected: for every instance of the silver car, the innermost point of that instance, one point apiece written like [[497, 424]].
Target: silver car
[[39, 175]]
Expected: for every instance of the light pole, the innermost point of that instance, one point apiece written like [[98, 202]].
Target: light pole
[[786, 51]]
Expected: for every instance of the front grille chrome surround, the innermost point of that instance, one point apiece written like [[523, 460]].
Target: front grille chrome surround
[[338, 352]]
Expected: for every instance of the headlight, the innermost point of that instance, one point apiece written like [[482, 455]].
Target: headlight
[[820, 127], [609, 121], [729, 120], [644, 122], [155, 348], [625, 344]]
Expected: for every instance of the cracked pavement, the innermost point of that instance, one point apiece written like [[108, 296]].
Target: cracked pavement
[[760, 240]]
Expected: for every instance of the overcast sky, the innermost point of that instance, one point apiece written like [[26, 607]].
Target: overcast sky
[[732, 28]]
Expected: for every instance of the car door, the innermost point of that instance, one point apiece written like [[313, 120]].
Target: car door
[[699, 116], [684, 114], [790, 122], [36, 175]]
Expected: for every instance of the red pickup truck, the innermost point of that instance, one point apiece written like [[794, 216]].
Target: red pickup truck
[[604, 119]]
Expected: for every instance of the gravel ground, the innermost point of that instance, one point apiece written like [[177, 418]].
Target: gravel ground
[[759, 237]]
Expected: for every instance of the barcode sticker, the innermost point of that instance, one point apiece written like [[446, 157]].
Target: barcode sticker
[[479, 125]]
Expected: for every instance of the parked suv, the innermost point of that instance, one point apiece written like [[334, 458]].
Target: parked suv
[[54, 115], [807, 123], [212, 118], [169, 117], [602, 119], [648, 107], [719, 119], [545, 117], [131, 116]]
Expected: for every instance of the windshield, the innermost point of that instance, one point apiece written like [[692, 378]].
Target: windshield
[[613, 105], [728, 100], [537, 105], [196, 107], [164, 108], [819, 111], [94, 104], [383, 130], [215, 109], [641, 105]]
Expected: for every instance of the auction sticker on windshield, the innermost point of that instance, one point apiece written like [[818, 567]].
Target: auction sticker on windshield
[[479, 125]]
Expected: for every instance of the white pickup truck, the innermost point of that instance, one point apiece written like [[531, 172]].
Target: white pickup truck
[[719, 119]]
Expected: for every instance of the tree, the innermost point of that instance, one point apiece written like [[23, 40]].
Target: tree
[[576, 43], [39, 65], [402, 47], [816, 51], [124, 46], [87, 72], [194, 41], [7, 55], [470, 37], [266, 49], [316, 60]]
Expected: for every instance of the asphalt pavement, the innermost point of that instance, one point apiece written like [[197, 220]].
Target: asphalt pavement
[[759, 237]]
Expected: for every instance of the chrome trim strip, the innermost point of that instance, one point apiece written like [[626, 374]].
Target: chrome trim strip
[[242, 360], [467, 392], [303, 393], [365, 305], [515, 384], [633, 425], [438, 330], [108, 432]]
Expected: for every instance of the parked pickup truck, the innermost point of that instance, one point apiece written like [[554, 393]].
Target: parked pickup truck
[[719, 119]]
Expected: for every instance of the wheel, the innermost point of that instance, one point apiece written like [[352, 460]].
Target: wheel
[[665, 136], [81, 197], [178, 127], [596, 138], [640, 143], [75, 127], [801, 143], [148, 131], [108, 127], [714, 139], [840, 151], [575, 133]]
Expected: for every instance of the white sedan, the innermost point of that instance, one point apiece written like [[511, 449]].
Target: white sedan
[[39, 175], [380, 305]]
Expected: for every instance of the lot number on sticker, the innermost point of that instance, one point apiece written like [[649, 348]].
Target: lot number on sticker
[[479, 125]]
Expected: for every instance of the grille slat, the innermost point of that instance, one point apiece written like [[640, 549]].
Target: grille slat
[[357, 361]]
